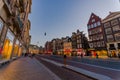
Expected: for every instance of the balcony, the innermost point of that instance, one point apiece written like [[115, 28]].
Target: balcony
[[7, 6]]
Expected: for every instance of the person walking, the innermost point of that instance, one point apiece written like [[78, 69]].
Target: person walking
[[65, 57]]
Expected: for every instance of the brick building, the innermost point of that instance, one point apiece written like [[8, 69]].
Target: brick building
[[96, 36]]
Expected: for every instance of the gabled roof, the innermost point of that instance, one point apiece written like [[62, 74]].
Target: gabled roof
[[111, 15], [93, 16]]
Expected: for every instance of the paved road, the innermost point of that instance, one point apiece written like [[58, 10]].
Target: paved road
[[64, 73], [108, 63], [26, 69], [114, 74]]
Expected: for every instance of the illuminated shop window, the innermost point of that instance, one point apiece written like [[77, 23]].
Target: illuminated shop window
[[8, 45]]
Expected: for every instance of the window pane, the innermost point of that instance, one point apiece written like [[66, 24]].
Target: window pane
[[116, 28], [108, 31], [106, 25], [110, 38], [98, 23], [114, 22]]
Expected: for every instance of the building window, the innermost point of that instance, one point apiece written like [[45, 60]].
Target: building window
[[119, 45], [116, 28], [100, 36], [8, 45], [98, 23], [114, 22], [90, 38], [89, 32], [91, 25], [93, 20], [95, 25], [112, 46], [117, 37], [110, 38], [98, 44], [102, 44], [95, 44], [108, 31], [1, 26], [106, 25], [91, 45]]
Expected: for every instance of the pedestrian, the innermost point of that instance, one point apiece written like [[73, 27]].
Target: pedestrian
[[119, 55], [96, 55], [65, 57]]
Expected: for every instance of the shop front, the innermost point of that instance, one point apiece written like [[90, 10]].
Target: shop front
[[1, 43], [8, 45]]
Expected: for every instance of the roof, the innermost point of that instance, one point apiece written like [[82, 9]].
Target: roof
[[111, 15], [93, 16]]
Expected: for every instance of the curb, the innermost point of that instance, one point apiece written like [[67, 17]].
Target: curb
[[81, 71]]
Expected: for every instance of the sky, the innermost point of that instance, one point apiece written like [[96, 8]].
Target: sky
[[59, 18]]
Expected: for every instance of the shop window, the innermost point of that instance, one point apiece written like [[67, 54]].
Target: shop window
[[16, 48], [114, 22], [8, 45]]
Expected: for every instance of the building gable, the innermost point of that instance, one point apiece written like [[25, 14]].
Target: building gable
[[95, 17]]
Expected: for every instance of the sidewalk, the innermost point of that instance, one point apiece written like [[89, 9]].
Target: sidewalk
[[26, 69]]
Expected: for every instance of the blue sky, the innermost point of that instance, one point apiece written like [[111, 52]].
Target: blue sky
[[59, 18]]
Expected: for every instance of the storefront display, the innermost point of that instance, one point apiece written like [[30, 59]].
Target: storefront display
[[16, 49], [8, 45]]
